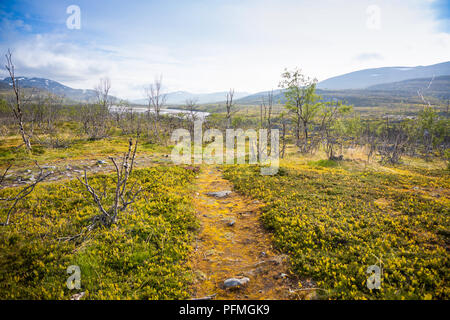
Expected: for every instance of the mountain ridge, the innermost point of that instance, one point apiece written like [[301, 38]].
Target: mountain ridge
[[364, 85], [362, 79]]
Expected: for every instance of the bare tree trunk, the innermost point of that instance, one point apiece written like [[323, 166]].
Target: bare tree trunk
[[22, 193], [156, 100], [283, 138], [17, 107], [229, 105], [122, 197], [190, 104], [269, 112]]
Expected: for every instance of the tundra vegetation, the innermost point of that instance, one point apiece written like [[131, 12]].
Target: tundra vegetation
[[356, 187]]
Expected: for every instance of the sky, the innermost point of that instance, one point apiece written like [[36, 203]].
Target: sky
[[206, 46]]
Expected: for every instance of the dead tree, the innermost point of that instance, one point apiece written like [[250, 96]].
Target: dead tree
[[266, 111], [102, 92], [16, 106], [269, 111], [190, 105], [283, 135], [122, 196], [95, 117], [22, 193], [393, 144], [330, 112], [229, 106], [156, 100], [370, 140]]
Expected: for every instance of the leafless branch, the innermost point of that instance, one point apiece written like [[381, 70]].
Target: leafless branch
[[16, 107], [122, 197], [23, 192]]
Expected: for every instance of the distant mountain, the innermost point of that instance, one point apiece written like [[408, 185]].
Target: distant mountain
[[4, 85], [257, 98], [180, 97], [360, 88], [394, 92], [437, 87], [51, 86], [369, 77]]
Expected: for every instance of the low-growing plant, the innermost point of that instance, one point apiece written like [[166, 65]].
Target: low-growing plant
[[334, 224], [142, 256]]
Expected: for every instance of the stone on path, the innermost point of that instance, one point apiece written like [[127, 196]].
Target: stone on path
[[235, 283], [219, 194], [77, 296]]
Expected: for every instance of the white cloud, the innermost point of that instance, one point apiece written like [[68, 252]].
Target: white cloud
[[260, 39]]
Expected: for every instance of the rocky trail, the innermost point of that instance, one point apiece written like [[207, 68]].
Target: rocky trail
[[233, 256], [70, 169]]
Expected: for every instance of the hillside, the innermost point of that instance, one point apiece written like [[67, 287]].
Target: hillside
[[436, 87], [395, 92], [369, 77], [360, 98], [51, 86], [361, 88]]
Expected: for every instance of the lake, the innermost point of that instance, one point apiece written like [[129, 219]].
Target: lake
[[199, 114]]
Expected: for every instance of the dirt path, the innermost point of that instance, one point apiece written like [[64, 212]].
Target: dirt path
[[233, 244], [67, 169]]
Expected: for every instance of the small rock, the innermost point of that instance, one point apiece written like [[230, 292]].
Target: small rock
[[235, 283], [219, 194], [77, 296]]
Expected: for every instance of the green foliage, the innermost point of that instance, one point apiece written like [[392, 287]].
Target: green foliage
[[326, 163], [143, 256], [334, 224], [431, 125], [301, 102]]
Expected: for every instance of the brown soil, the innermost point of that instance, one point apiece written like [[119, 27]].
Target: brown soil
[[241, 250]]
